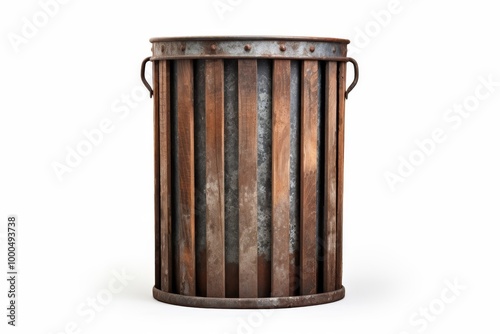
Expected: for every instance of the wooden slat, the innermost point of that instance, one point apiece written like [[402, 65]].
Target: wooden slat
[[156, 99], [247, 162], [340, 171], [308, 177], [165, 181], [214, 116], [330, 237], [280, 179], [186, 274]]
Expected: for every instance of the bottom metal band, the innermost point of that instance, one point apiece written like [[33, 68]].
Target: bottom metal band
[[249, 303]]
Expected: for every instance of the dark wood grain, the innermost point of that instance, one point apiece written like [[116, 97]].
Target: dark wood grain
[[330, 233], [186, 274], [247, 162], [165, 181], [214, 116], [308, 175], [280, 188], [156, 127], [340, 171]]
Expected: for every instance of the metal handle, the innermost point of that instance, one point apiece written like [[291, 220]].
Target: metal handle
[[143, 78], [356, 76], [350, 60]]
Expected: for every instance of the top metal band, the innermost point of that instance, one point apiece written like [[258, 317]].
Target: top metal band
[[249, 47]]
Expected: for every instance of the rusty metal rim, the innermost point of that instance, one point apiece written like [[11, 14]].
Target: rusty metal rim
[[249, 303], [248, 48], [250, 38]]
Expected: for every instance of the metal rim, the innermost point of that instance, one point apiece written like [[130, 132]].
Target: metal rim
[[250, 38], [249, 303], [269, 48]]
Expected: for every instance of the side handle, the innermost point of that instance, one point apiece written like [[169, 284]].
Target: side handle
[[143, 78], [356, 76]]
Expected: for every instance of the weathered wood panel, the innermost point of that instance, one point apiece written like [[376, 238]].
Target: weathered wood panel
[[247, 125], [214, 116], [280, 179], [330, 233], [185, 116], [309, 169]]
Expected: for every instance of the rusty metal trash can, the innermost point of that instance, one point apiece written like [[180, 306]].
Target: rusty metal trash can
[[249, 150]]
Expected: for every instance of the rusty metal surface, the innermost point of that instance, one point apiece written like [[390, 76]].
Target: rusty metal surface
[[295, 86], [264, 141], [249, 303], [231, 174], [248, 48]]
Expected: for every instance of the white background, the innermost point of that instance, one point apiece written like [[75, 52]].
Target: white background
[[401, 245]]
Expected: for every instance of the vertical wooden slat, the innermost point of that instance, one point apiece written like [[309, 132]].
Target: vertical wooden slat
[[214, 108], [165, 182], [156, 122], [309, 159], [340, 171], [247, 162], [280, 179], [330, 241], [186, 274]]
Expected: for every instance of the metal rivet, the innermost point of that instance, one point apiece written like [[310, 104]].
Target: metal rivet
[[213, 47], [283, 47], [334, 49], [312, 48], [248, 47], [183, 48]]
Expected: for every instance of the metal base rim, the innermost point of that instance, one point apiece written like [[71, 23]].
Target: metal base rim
[[249, 303]]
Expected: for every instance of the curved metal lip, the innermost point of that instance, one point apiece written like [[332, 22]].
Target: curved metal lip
[[249, 303], [250, 38]]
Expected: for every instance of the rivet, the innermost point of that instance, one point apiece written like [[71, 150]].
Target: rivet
[[283, 47], [248, 47], [312, 48], [213, 47], [334, 49]]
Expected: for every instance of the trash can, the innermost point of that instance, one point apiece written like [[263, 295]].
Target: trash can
[[249, 162]]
